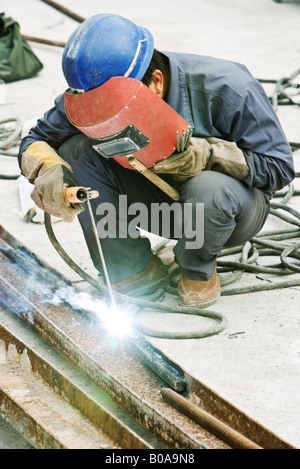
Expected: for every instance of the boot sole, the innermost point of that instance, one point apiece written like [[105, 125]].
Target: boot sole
[[201, 304]]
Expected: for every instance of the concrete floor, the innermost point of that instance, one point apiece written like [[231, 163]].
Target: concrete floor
[[255, 361]]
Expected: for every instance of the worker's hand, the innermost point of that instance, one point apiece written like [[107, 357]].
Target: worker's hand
[[212, 154], [50, 193], [51, 176], [188, 163]]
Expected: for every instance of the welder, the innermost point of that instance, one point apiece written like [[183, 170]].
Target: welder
[[237, 158]]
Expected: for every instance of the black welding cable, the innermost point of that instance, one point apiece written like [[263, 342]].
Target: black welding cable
[[280, 96], [7, 137], [284, 251], [7, 177], [13, 154], [286, 194], [265, 244], [12, 135], [288, 251]]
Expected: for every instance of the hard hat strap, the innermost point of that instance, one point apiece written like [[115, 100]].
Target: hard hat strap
[[135, 58]]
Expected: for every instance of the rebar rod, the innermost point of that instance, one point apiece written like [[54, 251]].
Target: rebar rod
[[211, 423]]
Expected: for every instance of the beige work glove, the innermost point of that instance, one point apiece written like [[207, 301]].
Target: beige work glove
[[51, 176], [205, 154], [188, 163], [228, 158]]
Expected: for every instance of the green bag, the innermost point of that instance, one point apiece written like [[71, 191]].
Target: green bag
[[17, 59]]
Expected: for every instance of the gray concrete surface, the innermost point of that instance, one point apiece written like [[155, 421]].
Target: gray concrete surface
[[255, 361]]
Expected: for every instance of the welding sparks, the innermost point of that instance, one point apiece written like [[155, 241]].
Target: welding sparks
[[115, 319]]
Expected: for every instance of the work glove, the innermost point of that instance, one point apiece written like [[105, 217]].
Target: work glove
[[188, 163], [51, 176], [228, 158], [205, 154]]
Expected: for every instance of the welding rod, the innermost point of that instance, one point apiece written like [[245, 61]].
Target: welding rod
[[188, 137], [81, 194], [182, 140], [178, 142], [108, 284]]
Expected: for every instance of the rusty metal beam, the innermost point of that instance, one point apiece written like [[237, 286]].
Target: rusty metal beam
[[71, 385], [147, 416]]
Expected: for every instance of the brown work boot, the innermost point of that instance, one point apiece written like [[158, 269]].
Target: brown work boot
[[199, 293], [154, 277]]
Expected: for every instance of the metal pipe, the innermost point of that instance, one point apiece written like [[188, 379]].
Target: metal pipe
[[65, 10], [44, 41], [223, 431]]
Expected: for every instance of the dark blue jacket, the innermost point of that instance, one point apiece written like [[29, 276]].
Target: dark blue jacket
[[218, 98]]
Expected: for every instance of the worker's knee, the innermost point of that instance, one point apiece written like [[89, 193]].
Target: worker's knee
[[218, 192]]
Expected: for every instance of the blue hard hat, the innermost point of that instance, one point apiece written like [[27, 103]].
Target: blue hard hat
[[105, 46]]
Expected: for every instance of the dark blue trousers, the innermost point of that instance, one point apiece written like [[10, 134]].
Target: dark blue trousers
[[231, 214]]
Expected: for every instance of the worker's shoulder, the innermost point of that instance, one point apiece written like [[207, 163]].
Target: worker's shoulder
[[212, 73], [59, 103]]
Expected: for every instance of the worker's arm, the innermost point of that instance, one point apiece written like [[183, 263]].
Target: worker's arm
[[222, 99], [255, 127], [54, 128], [43, 167]]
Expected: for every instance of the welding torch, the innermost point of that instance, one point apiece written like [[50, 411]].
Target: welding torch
[[81, 194]]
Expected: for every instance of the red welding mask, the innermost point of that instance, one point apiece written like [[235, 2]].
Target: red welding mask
[[123, 117]]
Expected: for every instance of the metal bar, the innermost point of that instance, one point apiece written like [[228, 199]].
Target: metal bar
[[178, 142], [44, 41], [182, 140], [65, 10], [106, 276], [188, 137], [235, 439], [158, 363]]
